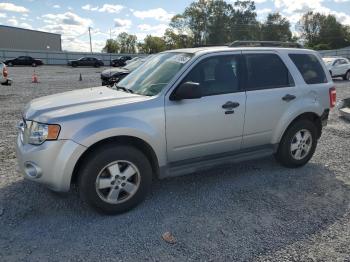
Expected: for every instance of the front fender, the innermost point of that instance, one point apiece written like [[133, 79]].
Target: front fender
[[101, 129]]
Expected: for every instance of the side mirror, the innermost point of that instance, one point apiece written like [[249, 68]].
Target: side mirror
[[187, 90]]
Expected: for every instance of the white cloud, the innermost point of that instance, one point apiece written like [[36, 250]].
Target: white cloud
[[13, 8], [70, 26], [107, 8], [67, 18], [114, 9], [77, 45], [13, 22], [122, 23], [158, 14], [89, 7], [157, 30], [3, 15], [26, 25], [341, 1], [294, 10], [56, 6], [263, 11]]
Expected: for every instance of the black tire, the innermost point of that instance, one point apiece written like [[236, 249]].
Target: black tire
[[284, 154], [97, 161], [10, 64], [347, 76], [74, 65], [33, 64], [97, 65]]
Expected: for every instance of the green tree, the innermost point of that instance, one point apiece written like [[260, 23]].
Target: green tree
[[127, 43], [276, 28], [323, 31], [216, 22], [244, 25], [111, 46], [219, 22], [153, 44], [195, 18], [175, 41], [124, 43]]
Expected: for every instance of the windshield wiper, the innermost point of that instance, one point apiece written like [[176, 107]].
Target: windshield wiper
[[124, 89]]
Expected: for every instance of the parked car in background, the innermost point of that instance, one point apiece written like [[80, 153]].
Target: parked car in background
[[24, 61], [338, 67], [86, 61], [114, 75], [181, 111], [120, 61], [4, 80], [133, 60]]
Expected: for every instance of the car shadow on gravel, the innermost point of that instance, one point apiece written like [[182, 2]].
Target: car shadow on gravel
[[235, 212]]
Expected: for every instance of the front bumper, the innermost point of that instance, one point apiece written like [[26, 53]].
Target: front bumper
[[51, 163]]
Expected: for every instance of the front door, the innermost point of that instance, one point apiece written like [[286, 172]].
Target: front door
[[212, 124]]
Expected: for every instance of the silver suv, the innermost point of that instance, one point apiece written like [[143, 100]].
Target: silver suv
[[181, 111]]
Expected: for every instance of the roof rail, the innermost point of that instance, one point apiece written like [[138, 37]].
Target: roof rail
[[265, 44]]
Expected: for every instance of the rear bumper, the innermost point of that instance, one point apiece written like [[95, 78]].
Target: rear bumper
[[51, 163]]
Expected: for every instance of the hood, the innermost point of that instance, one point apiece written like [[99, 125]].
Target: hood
[[79, 101], [114, 71]]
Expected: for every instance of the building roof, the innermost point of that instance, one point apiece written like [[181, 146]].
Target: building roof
[[19, 28]]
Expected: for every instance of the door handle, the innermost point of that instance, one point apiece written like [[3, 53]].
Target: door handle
[[288, 97], [230, 105]]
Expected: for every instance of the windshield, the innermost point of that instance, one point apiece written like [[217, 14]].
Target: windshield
[[328, 61], [135, 64], [154, 74]]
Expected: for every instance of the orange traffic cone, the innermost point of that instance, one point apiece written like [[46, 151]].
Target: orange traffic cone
[[35, 78]]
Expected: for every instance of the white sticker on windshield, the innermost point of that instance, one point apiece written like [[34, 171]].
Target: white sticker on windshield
[[180, 58]]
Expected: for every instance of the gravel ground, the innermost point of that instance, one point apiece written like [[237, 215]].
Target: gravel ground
[[252, 211]]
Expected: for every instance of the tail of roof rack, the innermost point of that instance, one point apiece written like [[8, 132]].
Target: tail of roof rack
[[265, 44]]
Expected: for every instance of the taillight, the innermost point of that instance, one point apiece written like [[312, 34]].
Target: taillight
[[332, 97], [4, 72]]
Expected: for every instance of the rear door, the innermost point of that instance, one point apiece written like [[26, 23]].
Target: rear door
[[212, 124], [270, 92]]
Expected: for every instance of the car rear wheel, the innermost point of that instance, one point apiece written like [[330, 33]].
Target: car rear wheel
[[10, 64], [33, 64], [347, 76], [298, 144], [115, 178]]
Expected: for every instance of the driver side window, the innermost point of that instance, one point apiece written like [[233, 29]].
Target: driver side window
[[216, 75]]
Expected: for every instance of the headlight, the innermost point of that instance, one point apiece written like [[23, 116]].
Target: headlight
[[37, 133]]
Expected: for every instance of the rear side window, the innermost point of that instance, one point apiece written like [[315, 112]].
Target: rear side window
[[310, 68], [265, 71]]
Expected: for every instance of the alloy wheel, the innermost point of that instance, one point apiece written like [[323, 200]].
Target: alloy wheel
[[301, 144], [118, 182]]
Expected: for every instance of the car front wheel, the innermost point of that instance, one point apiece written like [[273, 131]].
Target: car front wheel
[[34, 64], [298, 144], [115, 178], [347, 76]]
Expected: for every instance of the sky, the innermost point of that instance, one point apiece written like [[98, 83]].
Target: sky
[[72, 18]]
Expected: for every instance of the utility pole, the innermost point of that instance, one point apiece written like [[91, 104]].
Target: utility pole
[[90, 39]]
